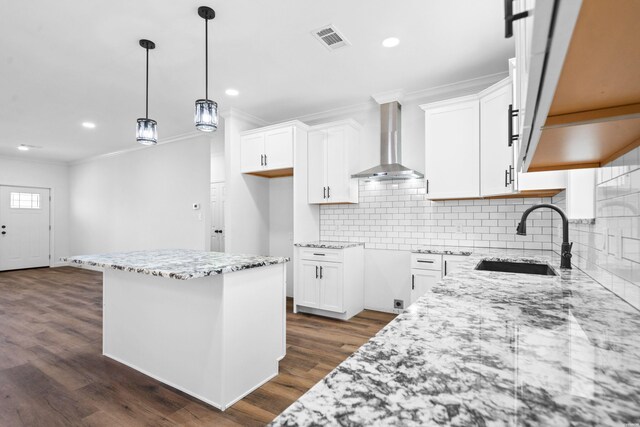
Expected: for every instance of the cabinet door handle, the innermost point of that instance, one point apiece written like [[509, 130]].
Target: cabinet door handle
[[324, 192], [510, 115], [316, 271], [509, 17], [445, 267], [427, 186], [426, 261], [261, 159], [413, 282], [265, 160], [328, 192], [506, 177], [321, 272], [511, 174]]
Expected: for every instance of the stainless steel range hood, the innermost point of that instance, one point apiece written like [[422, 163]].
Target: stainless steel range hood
[[390, 148]]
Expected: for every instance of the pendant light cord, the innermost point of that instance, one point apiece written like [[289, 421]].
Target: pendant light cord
[[206, 59], [146, 114]]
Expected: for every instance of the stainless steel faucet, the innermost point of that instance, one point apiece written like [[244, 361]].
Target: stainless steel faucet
[[565, 251]]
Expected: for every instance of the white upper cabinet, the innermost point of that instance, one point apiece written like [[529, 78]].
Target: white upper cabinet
[[269, 151], [496, 146], [333, 155], [452, 163]]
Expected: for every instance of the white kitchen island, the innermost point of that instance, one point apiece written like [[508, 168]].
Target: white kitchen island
[[207, 323]]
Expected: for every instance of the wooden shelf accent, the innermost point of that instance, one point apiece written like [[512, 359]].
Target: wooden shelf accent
[[276, 173], [521, 194], [588, 145], [595, 114]]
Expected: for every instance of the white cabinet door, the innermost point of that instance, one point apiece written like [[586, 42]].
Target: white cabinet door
[[252, 152], [452, 150], [422, 281], [338, 179], [278, 148], [317, 169], [308, 284], [452, 263], [331, 287], [496, 152]]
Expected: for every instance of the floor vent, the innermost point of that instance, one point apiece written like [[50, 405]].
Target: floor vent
[[330, 37]]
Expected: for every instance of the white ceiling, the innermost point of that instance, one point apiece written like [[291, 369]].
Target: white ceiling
[[68, 61]]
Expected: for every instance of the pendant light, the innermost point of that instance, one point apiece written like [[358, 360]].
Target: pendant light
[[206, 113], [147, 130]]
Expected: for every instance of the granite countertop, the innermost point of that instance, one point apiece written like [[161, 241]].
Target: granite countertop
[[182, 264], [446, 250], [491, 349], [325, 244]]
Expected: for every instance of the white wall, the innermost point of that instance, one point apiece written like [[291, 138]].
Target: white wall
[[281, 223], [217, 154], [142, 199], [246, 210], [48, 175]]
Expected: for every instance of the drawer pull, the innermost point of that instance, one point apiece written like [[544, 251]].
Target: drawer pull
[[319, 254], [426, 261]]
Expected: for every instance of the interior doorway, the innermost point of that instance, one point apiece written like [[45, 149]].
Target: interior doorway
[[217, 216], [25, 227]]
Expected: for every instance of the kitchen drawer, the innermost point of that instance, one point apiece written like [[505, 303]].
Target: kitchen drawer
[[318, 254], [426, 261]]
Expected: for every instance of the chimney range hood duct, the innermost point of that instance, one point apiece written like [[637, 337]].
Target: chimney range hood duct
[[390, 148]]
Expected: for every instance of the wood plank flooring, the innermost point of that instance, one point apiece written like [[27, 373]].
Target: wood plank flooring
[[52, 372]]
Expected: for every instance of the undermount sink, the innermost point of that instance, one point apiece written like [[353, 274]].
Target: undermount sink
[[516, 267]]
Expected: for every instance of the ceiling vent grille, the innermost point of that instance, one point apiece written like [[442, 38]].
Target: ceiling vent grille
[[330, 37]]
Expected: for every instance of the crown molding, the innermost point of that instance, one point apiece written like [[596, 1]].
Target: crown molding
[[177, 138], [389, 96], [234, 112], [36, 160], [458, 88]]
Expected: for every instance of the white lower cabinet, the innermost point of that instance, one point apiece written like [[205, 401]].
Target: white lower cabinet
[[422, 281], [329, 282], [429, 269]]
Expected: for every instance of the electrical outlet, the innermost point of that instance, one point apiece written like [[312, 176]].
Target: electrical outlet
[[398, 304]]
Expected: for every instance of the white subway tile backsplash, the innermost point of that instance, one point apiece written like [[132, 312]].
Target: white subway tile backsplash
[[609, 250], [396, 215]]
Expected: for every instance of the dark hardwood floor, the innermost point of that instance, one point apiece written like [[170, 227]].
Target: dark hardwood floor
[[52, 372]]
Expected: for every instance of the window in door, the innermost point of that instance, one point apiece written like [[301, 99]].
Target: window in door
[[24, 201]]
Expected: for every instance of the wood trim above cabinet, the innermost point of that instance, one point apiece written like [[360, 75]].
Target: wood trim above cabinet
[[519, 195], [276, 173]]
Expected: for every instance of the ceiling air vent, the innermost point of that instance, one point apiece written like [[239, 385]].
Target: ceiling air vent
[[330, 37]]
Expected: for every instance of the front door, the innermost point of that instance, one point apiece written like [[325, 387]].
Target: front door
[[24, 228]]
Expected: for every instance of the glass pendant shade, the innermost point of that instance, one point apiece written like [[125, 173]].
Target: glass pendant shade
[[206, 115], [147, 132]]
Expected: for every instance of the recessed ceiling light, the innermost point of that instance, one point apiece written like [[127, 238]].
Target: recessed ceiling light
[[232, 92], [23, 147], [391, 42], [88, 125]]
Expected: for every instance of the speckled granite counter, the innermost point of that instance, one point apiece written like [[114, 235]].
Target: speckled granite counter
[[445, 250], [491, 349], [328, 245], [182, 264]]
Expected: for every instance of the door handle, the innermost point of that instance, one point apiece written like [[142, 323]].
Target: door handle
[[427, 186], [4, 226], [261, 159], [328, 192], [265, 160], [506, 177], [509, 17], [324, 192], [510, 115], [321, 272], [445, 267], [511, 174], [4, 232], [413, 282], [316, 271]]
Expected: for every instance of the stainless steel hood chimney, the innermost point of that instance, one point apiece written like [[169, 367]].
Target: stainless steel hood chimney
[[390, 148]]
